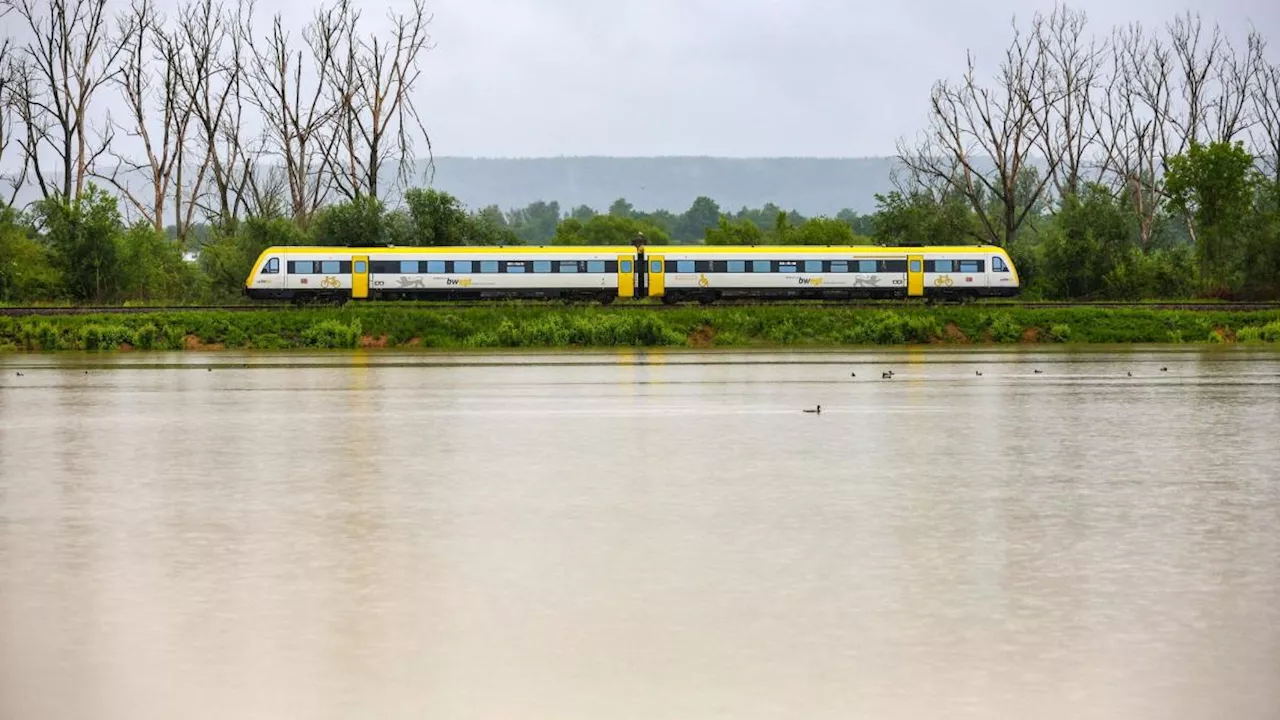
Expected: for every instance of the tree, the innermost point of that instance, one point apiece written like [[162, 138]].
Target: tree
[[860, 224], [26, 272], [1062, 94], [67, 60], [536, 223], [229, 254], [607, 230], [360, 222], [152, 268], [825, 231], [82, 233], [582, 213], [1088, 238], [437, 218], [701, 216], [1214, 186], [743, 232], [622, 208], [980, 139], [373, 80], [918, 218]]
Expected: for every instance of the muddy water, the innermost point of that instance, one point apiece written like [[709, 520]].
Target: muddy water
[[641, 535]]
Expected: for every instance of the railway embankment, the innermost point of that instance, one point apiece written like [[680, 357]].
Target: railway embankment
[[549, 325]]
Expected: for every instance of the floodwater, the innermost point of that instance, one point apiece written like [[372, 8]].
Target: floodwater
[[641, 535]]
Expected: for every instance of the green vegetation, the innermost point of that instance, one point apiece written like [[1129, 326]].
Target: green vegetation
[[532, 325]]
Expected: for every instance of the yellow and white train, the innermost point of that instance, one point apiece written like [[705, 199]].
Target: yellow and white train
[[673, 272]]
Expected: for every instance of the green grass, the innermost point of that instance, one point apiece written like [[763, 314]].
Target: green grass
[[513, 325]]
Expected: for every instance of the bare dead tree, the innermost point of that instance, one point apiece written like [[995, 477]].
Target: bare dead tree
[[159, 115], [980, 140], [1063, 93], [295, 109], [1131, 120], [10, 77], [372, 85], [68, 59], [1266, 107]]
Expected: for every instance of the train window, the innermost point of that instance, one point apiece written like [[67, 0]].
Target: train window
[[839, 266], [970, 266], [997, 265], [760, 266], [408, 267], [684, 266], [361, 266], [866, 266], [893, 266], [542, 266], [655, 266], [330, 267], [301, 267], [915, 266], [702, 266], [942, 266], [488, 266], [786, 266], [595, 266], [272, 267], [515, 267], [813, 266], [462, 266], [737, 266], [435, 266], [568, 266], [625, 266]]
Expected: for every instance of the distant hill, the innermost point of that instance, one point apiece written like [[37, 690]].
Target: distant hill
[[812, 186]]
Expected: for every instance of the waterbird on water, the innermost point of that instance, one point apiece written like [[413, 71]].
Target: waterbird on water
[[19, 374], [853, 374], [886, 376], [1164, 369], [978, 373], [1038, 372], [1128, 373], [816, 410]]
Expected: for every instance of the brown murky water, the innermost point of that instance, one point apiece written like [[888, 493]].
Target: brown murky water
[[641, 535]]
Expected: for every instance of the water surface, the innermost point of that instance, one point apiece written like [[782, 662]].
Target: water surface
[[641, 535]]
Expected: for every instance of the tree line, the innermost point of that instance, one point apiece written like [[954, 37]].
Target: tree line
[[1143, 163]]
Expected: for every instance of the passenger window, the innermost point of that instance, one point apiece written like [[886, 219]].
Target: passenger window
[[736, 266], [568, 266], [866, 266], [684, 266], [303, 267], [462, 266], [360, 266], [655, 266], [997, 264], [330, 267], [408, 267], [760, 266], [542, 266], [435, 266], [488, 266], [595, 266], [942, 266], [813, 266], [915, 266], [625, 266], [839, 266], [969, 266], [272, 267], [515, 267]]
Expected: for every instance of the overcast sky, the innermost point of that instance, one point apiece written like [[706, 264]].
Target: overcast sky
[[828, 78]]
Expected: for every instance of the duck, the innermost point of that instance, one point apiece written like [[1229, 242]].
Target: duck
[[886, 376], [815, 410], [1164, 369], [19, 374], [978, 373], [1130, 374], [1038, 372], [853, 374]]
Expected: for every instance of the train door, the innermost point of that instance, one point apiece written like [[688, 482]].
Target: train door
[[657, 278], [626, 276], [360, 276], [915, 275]]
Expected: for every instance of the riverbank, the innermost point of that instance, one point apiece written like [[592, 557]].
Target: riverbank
[[550, 325]]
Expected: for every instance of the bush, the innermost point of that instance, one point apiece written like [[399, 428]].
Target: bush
[[103, 337], [1060, 332], [332, 335], [1004, 329], [146, 337], [1269, 333]]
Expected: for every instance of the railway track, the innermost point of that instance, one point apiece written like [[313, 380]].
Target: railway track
[[445, 305]]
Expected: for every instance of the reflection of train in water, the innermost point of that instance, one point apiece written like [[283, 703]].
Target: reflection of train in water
[[671, 272]]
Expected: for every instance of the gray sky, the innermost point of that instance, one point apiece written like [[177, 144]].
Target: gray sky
[[723, 77]]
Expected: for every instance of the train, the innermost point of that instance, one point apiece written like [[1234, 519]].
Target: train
[[672, 273]]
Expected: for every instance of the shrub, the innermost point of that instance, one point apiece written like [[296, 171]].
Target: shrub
[[1060, 332], [146, 337], [1004, 329], [331, 334], [103, 337]]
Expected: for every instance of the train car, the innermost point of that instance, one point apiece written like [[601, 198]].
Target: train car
[[673, 273], [300, 273], [710, 272]]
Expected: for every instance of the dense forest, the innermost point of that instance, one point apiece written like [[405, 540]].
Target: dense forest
[[1142, 163]]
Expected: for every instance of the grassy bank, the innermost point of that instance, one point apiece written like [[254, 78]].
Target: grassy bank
[[531, 325]]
